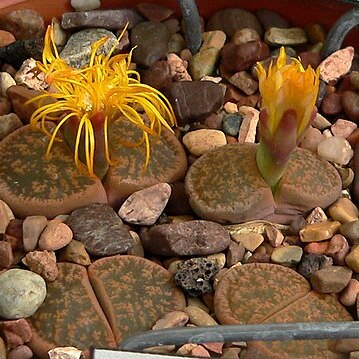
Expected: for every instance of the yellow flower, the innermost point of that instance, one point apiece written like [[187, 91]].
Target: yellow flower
[[288, 86], [103, 91]]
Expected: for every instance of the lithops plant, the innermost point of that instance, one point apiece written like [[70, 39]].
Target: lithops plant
[[273, 180], [280, 295]]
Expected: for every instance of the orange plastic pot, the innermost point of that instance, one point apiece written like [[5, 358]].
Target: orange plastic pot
[[299, 12]]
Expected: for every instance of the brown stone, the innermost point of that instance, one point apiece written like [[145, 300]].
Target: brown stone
[[56, 235], [332, 279], [32, 228], [43, 263], [154, 12], [6, 38], [350, 102], [21, 352], [15, 332], [331, 104], [158, 75], [6, 255], [75, 252]]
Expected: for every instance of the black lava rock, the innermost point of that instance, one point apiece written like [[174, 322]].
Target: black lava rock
[[310, 263]]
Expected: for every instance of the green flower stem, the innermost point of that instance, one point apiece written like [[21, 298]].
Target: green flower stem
[[270, 166]]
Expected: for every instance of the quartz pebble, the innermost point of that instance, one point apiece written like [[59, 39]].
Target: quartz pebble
[[336, 65], [336, 149], [85, 5], [349, 294], [29, 76], [201, 141], [6, 81], [343, 128], [319, 231], [22, 292], [32, 228], [42, 263], [65, 353], [343, 210], [331, 279], [56, 235], [311, 138]]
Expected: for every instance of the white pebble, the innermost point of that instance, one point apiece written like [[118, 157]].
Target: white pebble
[[6, 81], [336, 149]]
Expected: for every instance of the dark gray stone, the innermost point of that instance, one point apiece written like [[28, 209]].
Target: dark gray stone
[[195, 237], [194, 276], [311, 262], [100, 229], [152, 39], [194, 100], [269, 18], [107, 19]]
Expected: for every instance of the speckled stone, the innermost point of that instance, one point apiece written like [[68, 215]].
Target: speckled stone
[[70, 298], [195, 237], [312, 262], [108, 19], [120, 282], [168, 163], [288, 299], [77, 50], [100, 229], [23, 186], [22, 293]]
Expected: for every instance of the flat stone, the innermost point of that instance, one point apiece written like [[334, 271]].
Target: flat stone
[[107, 19], [203, 63], [285, 37], [201, 141], [158, 75], [287, 255], [6, 81], [120, 282], [168, 162], [71, 298], [320, 231], [331, 279], [347, 345], [22, 293], [336, 65], [151, 40], [77, 51], [250, 241], [145, 206], [352, 259], [32, 228], [194, 100], [343, 210], [194, 237], [335, 149], [23, 188], [100, 229]]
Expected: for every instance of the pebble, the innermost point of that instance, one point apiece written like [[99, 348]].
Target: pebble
[[200, 352], [338, 249], [231, 123], [21, 352], [24, 24], [193, 100], [107, 19], [354, 355], [331, 104], [6, 38], [6, 81], [242, 57], [85, 5], [154, 12], [230, 107], [56, 235], [8, 124], [269, 18], [242, 36], [6, 255], [331, 279], [335, 149], [250, 241], [75, 252], [137, 249], [65, 353], [317, 216], [231, 353], [5, 106], [100, 229], [285, 37], [319, 231], [213, 39], [248, 129], [320, 122], [274, 235], [204, 63], [199, 317], [30, 77], [16, 332], [287, 255], [245, 82], [22, 292], [6, 216], [178, 69], [311, 263], [310, 58], [235, 253], [352, 259], [145, 206], [219, 259], [343, 211], [349, 294], [43, 263], [230, 20], [350, 231], [158, 75], [195, 237], [317, 247], [151, 41], [350, 103], [171, 320], [336, 65], [311, 138], [3, 351], [77, 50], [201, 141], [60, 35], [343, 128], [32, 228], [346, 345]]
